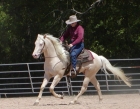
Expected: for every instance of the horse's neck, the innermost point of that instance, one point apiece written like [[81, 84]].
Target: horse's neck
[[49, 50]]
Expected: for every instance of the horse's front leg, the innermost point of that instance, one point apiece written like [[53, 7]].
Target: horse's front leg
[[45, 82], [56, 79]]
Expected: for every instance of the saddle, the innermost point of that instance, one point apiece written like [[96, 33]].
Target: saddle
[[83, 57]]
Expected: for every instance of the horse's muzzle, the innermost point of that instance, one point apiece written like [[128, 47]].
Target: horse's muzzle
[[35, 56]]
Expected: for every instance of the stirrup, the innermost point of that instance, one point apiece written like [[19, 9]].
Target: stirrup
[[73, 72]]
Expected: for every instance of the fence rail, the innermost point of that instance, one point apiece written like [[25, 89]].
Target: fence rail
[[26, 78]]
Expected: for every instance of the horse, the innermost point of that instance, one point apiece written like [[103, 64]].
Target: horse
[[57, 59]]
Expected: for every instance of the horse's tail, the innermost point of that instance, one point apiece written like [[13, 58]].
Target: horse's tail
[[115, 70]]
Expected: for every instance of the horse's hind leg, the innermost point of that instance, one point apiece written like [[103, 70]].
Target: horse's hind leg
[[83, 89], [97, 86], [45, 82], [56, 79]]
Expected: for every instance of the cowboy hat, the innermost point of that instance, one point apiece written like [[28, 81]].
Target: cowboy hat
[[72, 19]]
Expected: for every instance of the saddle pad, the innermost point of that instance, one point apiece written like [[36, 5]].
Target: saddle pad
[[85, 56]]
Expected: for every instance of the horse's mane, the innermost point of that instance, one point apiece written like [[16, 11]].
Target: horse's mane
[[60, 50]]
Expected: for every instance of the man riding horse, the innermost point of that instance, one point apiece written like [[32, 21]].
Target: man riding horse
[[76, 34]]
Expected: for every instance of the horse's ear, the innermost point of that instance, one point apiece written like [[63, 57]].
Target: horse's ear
[[39, 35], [45, 36]]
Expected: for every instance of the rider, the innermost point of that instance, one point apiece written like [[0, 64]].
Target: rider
[[76, 34]]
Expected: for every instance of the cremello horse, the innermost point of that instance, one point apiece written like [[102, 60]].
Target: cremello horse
[[57, 59]]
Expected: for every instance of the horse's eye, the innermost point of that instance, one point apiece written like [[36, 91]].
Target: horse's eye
[[41, 44]]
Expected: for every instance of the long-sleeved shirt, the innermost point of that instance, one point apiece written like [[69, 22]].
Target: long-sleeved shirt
[[76, 34]]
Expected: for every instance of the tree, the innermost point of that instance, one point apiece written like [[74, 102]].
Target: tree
[[111, 27]]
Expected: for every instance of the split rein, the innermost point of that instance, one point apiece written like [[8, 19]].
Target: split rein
[[52, 56]]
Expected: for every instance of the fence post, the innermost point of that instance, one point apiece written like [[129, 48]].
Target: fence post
[[106, 82], [69, 85], [30, 77]]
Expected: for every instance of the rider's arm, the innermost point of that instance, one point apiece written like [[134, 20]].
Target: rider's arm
[[65, 35]]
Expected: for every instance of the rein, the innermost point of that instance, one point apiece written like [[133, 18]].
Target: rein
[[51, 56], [54, 56]]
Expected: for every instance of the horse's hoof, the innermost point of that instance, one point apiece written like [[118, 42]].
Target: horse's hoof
[[72, 102], [62, 97], [36, 103], [100, 100]]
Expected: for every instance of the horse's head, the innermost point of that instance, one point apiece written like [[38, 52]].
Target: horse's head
[[39, 45]]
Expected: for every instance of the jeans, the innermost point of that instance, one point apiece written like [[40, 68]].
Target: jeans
[[74, 52]]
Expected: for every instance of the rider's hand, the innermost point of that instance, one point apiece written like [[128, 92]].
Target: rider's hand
[[70, 45], [61, 42]]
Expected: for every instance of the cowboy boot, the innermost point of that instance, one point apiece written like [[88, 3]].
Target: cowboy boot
[[73, 72]]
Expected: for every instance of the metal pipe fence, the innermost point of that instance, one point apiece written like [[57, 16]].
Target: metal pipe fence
[[26, 79]]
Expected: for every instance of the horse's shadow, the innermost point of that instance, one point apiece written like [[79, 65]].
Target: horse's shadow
[[49, 104], [53, 104]]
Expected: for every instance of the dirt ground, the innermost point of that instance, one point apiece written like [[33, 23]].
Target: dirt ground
[[120, 101]]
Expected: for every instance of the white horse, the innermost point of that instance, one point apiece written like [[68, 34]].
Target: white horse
[[57, 60]]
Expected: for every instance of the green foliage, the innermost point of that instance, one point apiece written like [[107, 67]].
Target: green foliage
[[111, 27]]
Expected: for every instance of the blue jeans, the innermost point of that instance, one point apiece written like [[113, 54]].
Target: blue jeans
[[74, 52]]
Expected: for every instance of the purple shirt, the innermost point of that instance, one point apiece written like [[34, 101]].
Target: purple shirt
[[76, 34]]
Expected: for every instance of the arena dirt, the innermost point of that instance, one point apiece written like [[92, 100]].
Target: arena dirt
[[120, 101]]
